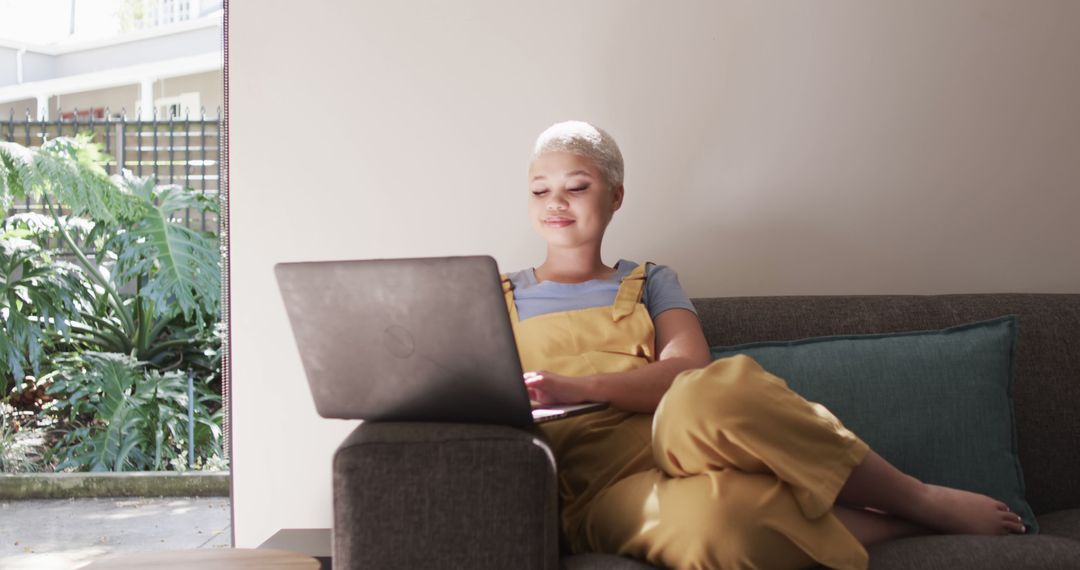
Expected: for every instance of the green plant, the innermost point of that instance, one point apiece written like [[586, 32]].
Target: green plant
[[38, 296], [21, 442], [115, 331], [125, 417], [133, 240]]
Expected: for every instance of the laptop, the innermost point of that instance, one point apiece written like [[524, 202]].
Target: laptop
[[420, 339]]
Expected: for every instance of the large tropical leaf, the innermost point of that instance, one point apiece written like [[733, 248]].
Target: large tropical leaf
[[114, 445], [164, 414], [187, 272], [105, 388], [37, 296], [148, 289], [67, 171], [14, 159]]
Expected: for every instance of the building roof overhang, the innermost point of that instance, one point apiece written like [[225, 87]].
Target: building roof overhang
[[210, 20], [116, 77]]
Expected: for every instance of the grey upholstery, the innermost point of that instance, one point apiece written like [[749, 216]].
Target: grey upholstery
[[1061, 523], [983, 552], [418, 495], [1057, 548], [1047, 389], [471, 496], [594, 561]]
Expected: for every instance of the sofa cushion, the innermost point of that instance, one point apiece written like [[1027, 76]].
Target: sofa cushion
[[1061, 523], [934, 403], [944, 552], [446, 495], [1047, 388], [595, 561], [948, 552]]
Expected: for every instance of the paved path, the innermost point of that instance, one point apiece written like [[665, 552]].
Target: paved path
[[70, 533]]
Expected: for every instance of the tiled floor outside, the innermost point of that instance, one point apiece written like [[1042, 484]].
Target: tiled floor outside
[[70, 533]]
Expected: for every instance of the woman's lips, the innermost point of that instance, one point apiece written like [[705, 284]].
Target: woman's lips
[[558, 222]]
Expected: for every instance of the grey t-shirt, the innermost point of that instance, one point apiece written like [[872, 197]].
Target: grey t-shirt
[[662, 292]]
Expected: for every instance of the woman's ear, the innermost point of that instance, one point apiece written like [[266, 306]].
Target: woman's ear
[[616, 197]]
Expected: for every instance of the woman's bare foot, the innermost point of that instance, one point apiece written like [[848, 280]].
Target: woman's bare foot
[[876, 483], [955, 511]]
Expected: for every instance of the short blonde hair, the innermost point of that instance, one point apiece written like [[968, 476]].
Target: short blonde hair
[[584, 139]]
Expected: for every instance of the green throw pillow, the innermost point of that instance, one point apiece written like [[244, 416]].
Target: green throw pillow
[[937, 404]]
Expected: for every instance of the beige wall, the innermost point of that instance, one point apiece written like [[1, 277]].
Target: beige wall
[[210, 86], [832, 147], [116, 99], [17, 109]]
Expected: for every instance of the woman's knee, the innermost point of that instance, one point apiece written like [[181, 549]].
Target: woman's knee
[[726, 388]]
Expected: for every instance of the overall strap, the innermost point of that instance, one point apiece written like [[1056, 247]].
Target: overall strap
[[629, 294], [508, 292]]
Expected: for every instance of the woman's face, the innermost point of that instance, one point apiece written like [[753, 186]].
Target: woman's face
[[570, 203]]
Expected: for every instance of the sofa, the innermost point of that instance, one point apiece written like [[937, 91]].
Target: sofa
[[442, 495]]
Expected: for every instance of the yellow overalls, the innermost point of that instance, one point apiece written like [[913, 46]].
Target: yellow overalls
[[733, 470]]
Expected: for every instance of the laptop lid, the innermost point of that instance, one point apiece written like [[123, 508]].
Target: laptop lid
[[421, 339]]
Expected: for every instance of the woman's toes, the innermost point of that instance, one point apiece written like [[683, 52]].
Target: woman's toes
[[1013, 523]]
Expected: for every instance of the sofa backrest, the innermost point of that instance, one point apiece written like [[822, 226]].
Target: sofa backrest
[[1046, 391]]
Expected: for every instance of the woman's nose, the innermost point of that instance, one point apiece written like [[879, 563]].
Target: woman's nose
[[556, 203]]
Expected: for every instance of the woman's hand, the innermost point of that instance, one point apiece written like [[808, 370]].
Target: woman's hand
[[550, 388]]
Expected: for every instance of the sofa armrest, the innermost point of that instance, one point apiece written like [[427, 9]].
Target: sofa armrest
[[444, 495]]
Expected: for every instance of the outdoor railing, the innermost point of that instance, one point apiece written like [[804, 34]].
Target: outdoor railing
[[177, 150]]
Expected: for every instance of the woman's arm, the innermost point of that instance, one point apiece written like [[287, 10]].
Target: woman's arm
[[680, 345]]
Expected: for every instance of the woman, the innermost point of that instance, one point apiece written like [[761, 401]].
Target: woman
[[696, 464]]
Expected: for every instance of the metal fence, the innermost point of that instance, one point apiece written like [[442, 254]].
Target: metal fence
[[184, 151]]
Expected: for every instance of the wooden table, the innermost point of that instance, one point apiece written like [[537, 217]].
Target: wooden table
[[209, 559]]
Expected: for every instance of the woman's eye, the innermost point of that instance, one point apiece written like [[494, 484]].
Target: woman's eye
[[539, 192], [578, 189]]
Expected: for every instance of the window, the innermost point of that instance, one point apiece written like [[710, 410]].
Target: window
[[178, 106]]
